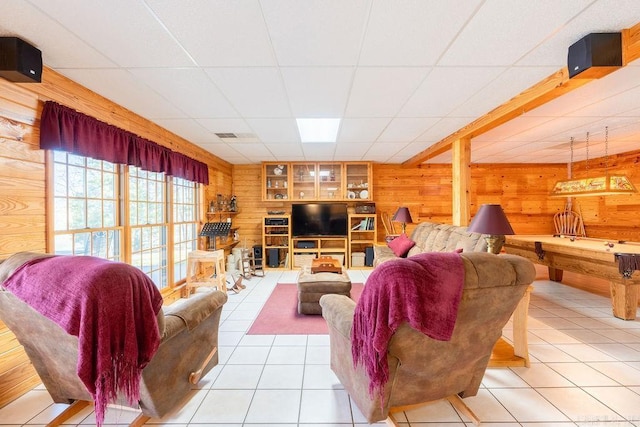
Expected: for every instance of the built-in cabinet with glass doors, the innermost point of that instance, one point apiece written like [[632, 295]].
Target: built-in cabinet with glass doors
[[317, 181]]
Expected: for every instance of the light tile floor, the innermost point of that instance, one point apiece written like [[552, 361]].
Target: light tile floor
[[585, 372]]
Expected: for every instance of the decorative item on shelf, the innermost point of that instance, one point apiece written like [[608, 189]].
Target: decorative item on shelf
[[268, 182], [365, 208], [212, 207], [222, 203], [491, 220], [233, 204], [301, 195], [598, 186], [364, 194], [404, 216], [213, 230], [278, 170]]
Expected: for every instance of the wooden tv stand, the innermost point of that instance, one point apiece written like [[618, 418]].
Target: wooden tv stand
[[319, 246]]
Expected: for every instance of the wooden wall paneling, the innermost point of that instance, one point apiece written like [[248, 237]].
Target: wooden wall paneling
[[247, 188], [611, 217]]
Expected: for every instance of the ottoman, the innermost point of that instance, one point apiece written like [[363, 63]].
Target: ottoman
[[311, 286]]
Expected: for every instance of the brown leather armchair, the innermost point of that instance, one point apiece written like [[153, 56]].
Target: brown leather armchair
[[422, 369], [188, 348]]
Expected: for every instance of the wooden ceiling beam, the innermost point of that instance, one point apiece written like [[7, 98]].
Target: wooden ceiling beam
[[552, 87]]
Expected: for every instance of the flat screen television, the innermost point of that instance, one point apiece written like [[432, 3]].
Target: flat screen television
[[319, 219]]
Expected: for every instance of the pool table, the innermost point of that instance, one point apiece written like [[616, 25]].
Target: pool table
[[616, 261]]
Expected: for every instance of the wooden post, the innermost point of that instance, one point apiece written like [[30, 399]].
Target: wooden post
[[461, 181]]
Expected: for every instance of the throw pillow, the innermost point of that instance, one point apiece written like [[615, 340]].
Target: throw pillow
[[401, 245]]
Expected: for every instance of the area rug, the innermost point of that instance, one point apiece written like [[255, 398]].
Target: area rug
[[279, 316]]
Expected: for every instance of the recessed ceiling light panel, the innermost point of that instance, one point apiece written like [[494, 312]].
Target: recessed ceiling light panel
[[318, 130]]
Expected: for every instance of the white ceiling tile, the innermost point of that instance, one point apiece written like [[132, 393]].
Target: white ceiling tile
[[441, 129], [519, 124], [410, 32], [275, 130], [287, 150], [226, 125], [221, 149], [254, 92], [253, 150], [316, 32], [383, 151], [318, 92], [513, 81], [447, 88], [613, 105], [361, 130], [352, 150], [318, 151], [189, 89], [381, 92], [407, 152], [60, 47], [188, 129], [510, 29], [138, 40], [122, 88], [218, 32], [561, 128], [406, 129]]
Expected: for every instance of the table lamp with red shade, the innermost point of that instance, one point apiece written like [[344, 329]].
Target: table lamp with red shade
[[404, 216], [491, 220]]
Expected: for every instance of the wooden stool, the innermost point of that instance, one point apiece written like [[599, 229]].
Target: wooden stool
[[206, 268]]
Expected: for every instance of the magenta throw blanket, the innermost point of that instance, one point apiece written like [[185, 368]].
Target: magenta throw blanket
[[423, 290], [110, 306]]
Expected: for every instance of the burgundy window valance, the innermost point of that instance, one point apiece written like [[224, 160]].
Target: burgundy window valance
[[62, 128]]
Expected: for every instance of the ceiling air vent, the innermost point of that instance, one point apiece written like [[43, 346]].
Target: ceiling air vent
[[237, 137], [226, 135]]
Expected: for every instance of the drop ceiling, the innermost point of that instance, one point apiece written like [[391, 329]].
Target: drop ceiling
[[401, 74]]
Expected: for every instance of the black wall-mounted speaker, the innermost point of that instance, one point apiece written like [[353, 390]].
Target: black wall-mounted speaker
[[595, 55], [19, 61]]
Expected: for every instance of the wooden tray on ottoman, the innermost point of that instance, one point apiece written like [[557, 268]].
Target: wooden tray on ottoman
[[326, 264]]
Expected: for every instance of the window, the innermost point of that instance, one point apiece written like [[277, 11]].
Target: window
[[185, 237], [134, 217], [86, 214], [147, 218]]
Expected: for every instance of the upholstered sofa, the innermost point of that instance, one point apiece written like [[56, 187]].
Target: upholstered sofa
[[187, 351], [433, 237], [422, 369]]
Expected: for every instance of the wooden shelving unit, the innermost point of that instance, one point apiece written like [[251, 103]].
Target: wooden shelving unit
[[276, 237], [306, 248], [222, 243], [362, 234]]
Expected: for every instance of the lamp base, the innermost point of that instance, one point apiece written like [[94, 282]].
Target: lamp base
[[493, 243]]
